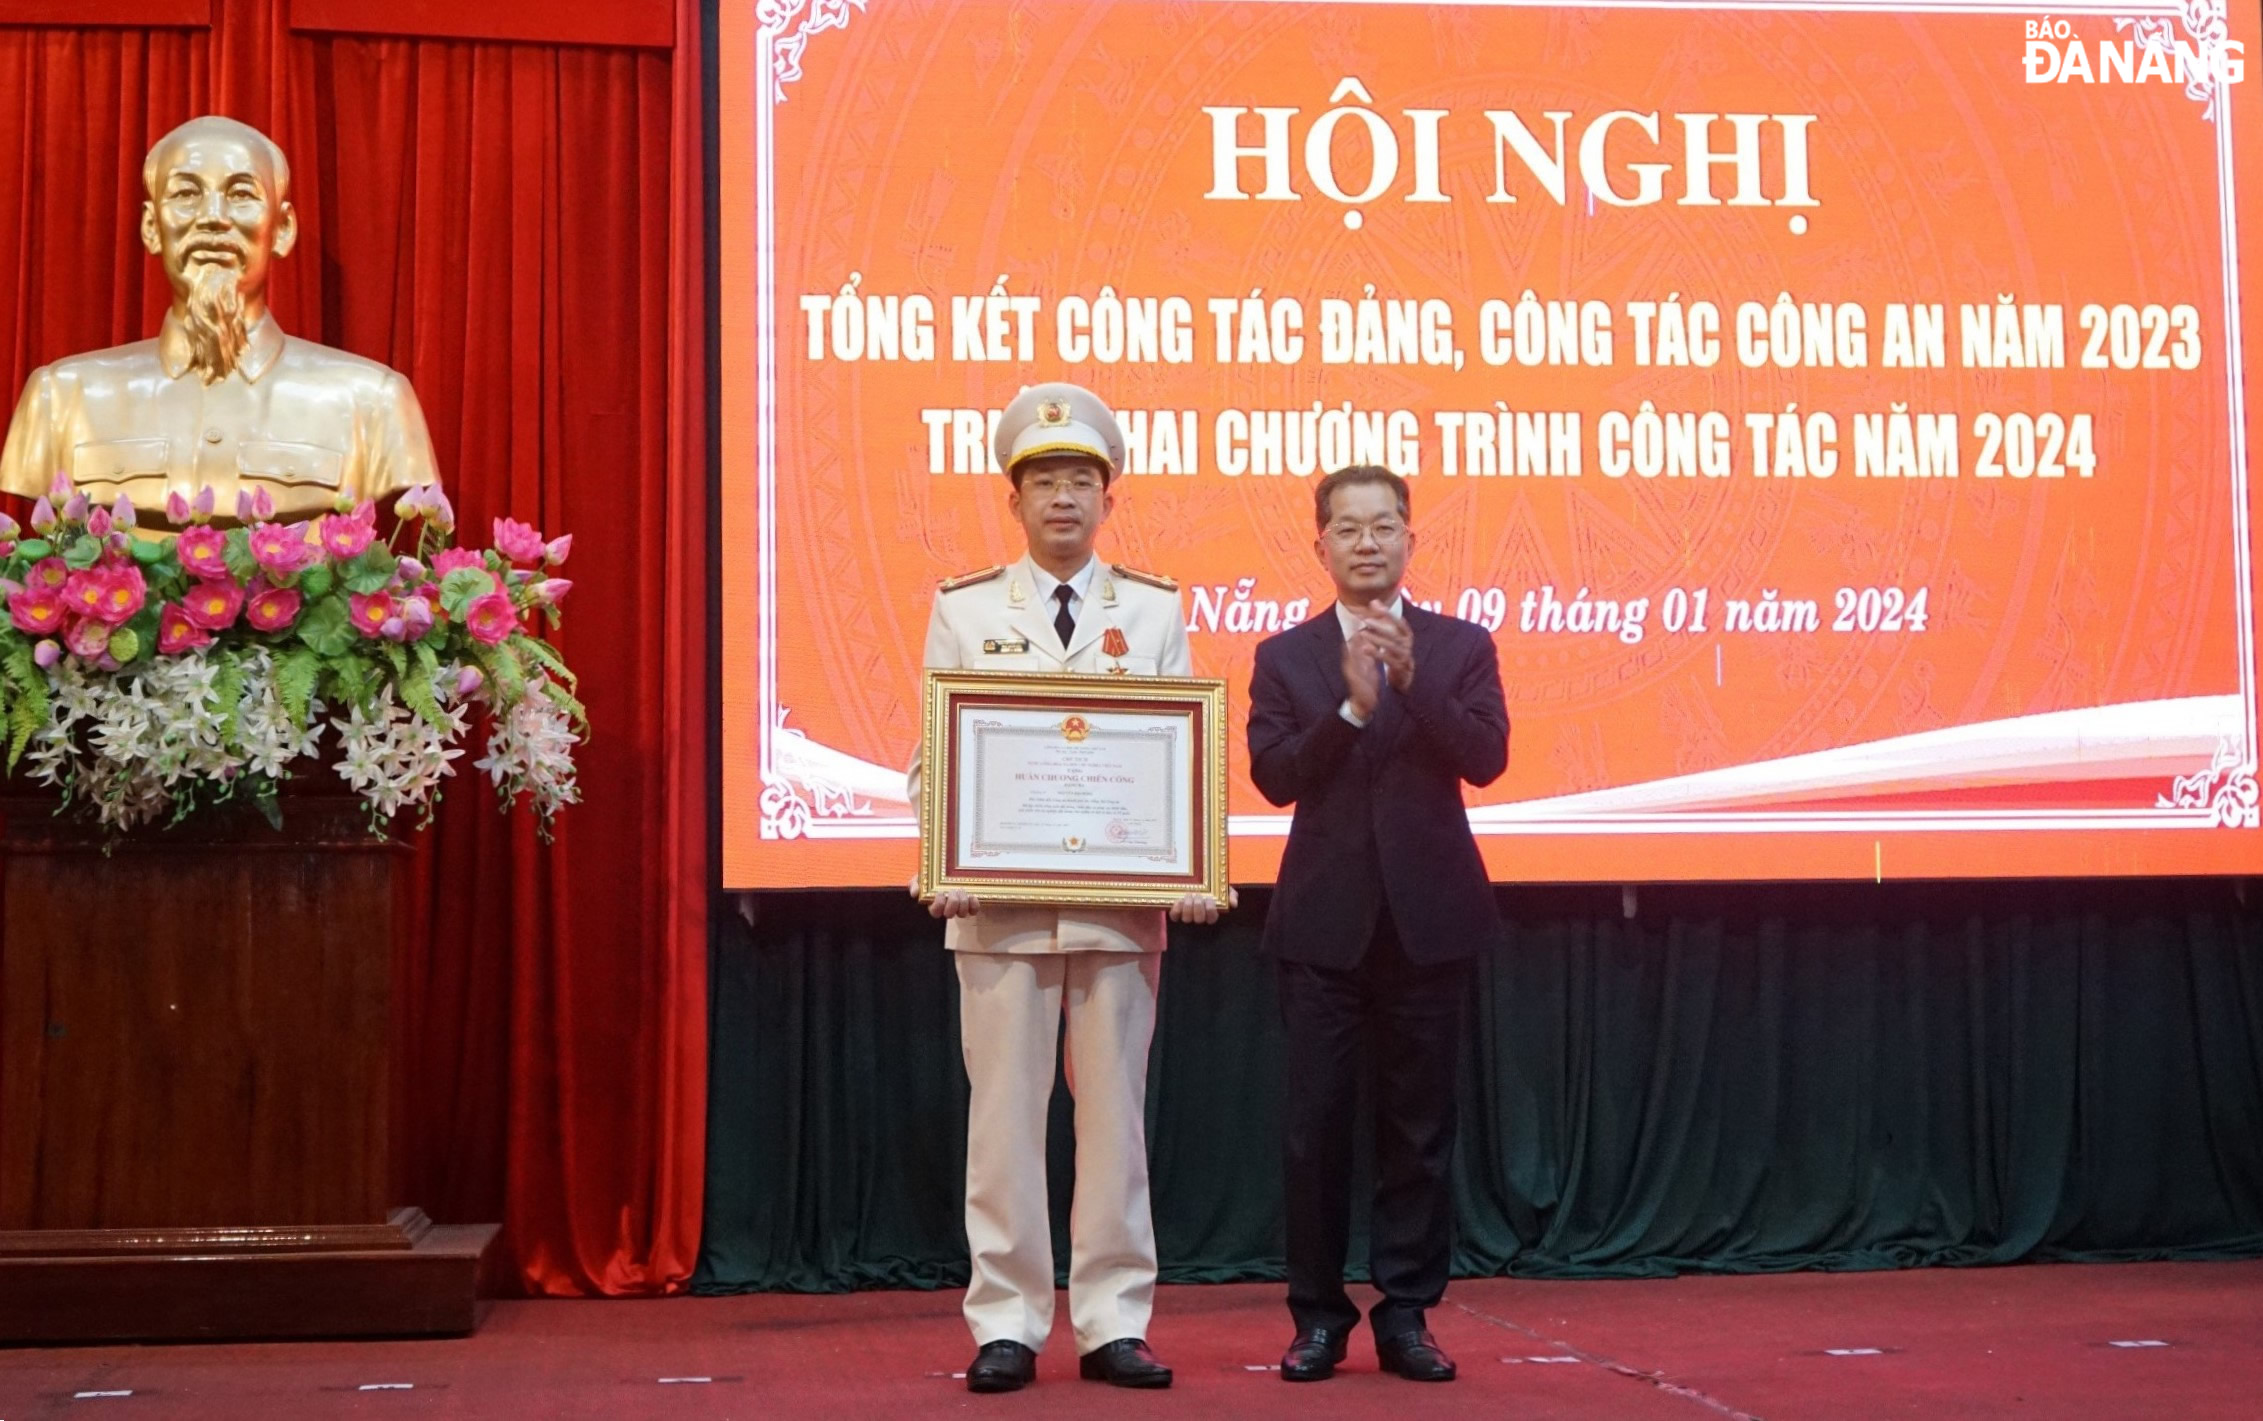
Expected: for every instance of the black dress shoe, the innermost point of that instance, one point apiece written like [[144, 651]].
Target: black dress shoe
[[1124, 1362], [1415, 1356], [1314, 1355], [1001, 1366]]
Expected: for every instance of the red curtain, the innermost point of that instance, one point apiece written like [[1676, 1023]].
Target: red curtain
[[517, 228]]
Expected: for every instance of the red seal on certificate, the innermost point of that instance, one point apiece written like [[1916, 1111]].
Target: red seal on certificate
[[1075, 728]]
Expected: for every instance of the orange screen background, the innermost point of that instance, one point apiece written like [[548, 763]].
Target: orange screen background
[[932, 148]]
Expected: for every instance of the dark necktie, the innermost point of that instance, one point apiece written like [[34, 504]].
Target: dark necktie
[[1062, 621]]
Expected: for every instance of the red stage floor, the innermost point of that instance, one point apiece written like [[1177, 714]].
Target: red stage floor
[[2040, 1341]]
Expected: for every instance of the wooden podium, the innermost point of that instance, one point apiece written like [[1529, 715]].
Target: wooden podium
[[195, 1086]]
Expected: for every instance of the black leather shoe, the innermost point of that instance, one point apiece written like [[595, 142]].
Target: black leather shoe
[[1124, 1362], [1001, 1366], [1314, 1355], [1415, 1356]]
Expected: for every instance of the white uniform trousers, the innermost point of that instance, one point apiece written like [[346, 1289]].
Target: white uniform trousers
[[1010, 1007]]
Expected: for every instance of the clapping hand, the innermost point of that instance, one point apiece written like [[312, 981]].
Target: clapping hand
[[1389, 638]]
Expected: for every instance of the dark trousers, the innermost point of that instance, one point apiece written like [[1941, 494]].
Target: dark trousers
[[1410, 1017]]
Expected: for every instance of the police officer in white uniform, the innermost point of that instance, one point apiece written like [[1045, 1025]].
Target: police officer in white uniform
[[1059, 608]]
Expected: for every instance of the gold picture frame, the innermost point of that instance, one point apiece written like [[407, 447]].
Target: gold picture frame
[[1073, 731]]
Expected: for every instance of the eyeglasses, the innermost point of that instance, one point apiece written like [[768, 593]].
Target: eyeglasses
[[1386, 533], [1046, 485]]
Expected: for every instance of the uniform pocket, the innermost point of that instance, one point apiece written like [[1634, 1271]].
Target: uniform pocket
[[272, 461], [111, 462]]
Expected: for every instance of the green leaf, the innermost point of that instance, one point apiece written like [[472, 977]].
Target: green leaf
[[416, 693], [316, 581], [34, 549], [24, 720], [355, 684], [325, 626], [295, 677], [464, 586], [82, 553], [506, 679], [228, 689], [237, 552], [565, 701], [28, 708], [544, 655], [19, 666], [125, 644], [146, 552], [369, 572]]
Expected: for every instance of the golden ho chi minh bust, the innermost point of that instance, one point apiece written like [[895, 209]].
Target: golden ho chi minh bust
[[221, 399]]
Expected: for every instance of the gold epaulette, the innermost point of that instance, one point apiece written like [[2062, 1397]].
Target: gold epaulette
[[970, 579], [1152, 579]]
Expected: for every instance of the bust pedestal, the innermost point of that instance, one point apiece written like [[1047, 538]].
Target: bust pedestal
[[195, 1086]]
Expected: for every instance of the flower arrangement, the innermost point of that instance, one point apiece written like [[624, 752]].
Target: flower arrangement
[[147, 677]]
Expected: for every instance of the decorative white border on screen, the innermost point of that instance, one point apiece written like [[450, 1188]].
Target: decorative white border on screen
[[2223, 795]]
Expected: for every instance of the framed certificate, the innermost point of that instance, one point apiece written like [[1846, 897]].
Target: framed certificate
[[1100, 790]]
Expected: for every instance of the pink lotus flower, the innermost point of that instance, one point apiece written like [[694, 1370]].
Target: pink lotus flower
[[213, 605], [75, 510], [557, 550], [282, 548], [47, 653], [416, 617], [83, 592], [469, 680], [550, 591], [203, 551], [426, 501], [122, 512], [491, 619], [369, 614], [409, 570], [451, 559], [49, 573], [98, 523], [348, 535], [7, 547], [243, 505], [271, 609], [176, 508], [123, 591], [518, 542], [206, 501], [43, 518], [36, 610], [9, 528], [87, 639], [176, 633], [60, 487]]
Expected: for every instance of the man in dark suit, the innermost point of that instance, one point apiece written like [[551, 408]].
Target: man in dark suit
[[1369, 718]]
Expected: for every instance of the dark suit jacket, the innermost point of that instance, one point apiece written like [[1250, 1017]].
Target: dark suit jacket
[[1379, 815]]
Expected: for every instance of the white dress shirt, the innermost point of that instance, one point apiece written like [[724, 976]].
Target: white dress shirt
[[1079, 583]]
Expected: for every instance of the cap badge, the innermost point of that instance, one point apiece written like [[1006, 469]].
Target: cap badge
[[1052, 414]]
